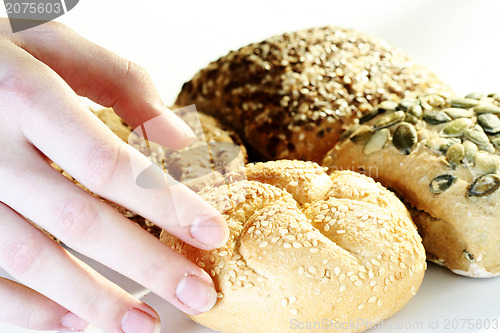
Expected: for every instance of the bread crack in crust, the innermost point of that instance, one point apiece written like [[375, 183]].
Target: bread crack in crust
[[307, 246]]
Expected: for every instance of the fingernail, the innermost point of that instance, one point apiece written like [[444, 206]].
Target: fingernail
[[211, 231], [74, 323], [196, 293], [180, 124], [137, 321]]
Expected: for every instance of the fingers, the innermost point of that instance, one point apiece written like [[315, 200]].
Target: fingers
[[38, 262], [106, 78], [24, 307], [89, 226], [55, 121]]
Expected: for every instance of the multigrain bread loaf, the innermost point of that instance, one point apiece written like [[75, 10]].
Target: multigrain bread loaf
[[290, 96], [442, 156], [307, 247]]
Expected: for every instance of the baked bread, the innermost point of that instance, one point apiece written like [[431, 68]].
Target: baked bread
[[305, 246], [442, 156], [290, 96], [215, 151]]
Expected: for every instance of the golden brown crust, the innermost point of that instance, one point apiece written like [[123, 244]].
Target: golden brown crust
[[304, 246], [458, 220], [291, 95], [193, 168]]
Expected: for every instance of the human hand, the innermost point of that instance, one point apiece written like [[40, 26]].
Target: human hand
[[43, 120]]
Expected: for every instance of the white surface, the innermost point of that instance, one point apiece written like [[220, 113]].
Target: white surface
[[458, 39]]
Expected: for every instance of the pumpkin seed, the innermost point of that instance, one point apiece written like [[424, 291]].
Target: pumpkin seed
[[436, 117], [370, 115], [464, 103], [388, 106], [456, 127], [405, 137], [455, 154], [477, 135], [486, 163], [495, 96], [474, 95], [429, 101], [486, 109], [441, 183], [389, 119], [405, 104], [409, 118], [415, 110], [347, 133], [362, 134], [441, 145], [470, 151], [484, 185], [489, 122], [455, 113], [376, 142], [496, 142]]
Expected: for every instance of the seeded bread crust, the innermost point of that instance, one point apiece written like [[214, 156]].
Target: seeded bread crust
[[194, 168], [448, 172], [290, 96], [305, 246]]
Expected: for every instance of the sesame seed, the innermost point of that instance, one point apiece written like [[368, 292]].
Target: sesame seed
[[287, 245], [336, 270], [342, 288], [340, 231], [307, 244], [220, 295], [217, 270], [263, 244], [370, 274], [358, 283], [342, 277], [251, 229], [294, 311], [379, 302], [372, 299], [293, 299], [274, 239], [228, 283], [301, 270], [212, 273], [326, 227], [376, 289], [284, 301], [312, 270], [201, 264], [232, 274], [313, 250], [296, 244], [375, 262], [361, 306], [324, 262]]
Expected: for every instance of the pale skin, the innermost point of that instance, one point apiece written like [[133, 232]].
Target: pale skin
[[42, 70]]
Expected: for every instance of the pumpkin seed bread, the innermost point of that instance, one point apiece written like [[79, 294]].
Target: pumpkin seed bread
[[303, 246], [291, 96], [442, 156]]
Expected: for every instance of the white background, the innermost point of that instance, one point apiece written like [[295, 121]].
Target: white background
[[458, 39]]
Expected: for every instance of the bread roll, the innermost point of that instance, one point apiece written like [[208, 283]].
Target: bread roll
[[307, 247], [441, 155], [215, 151], [290, 96]]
